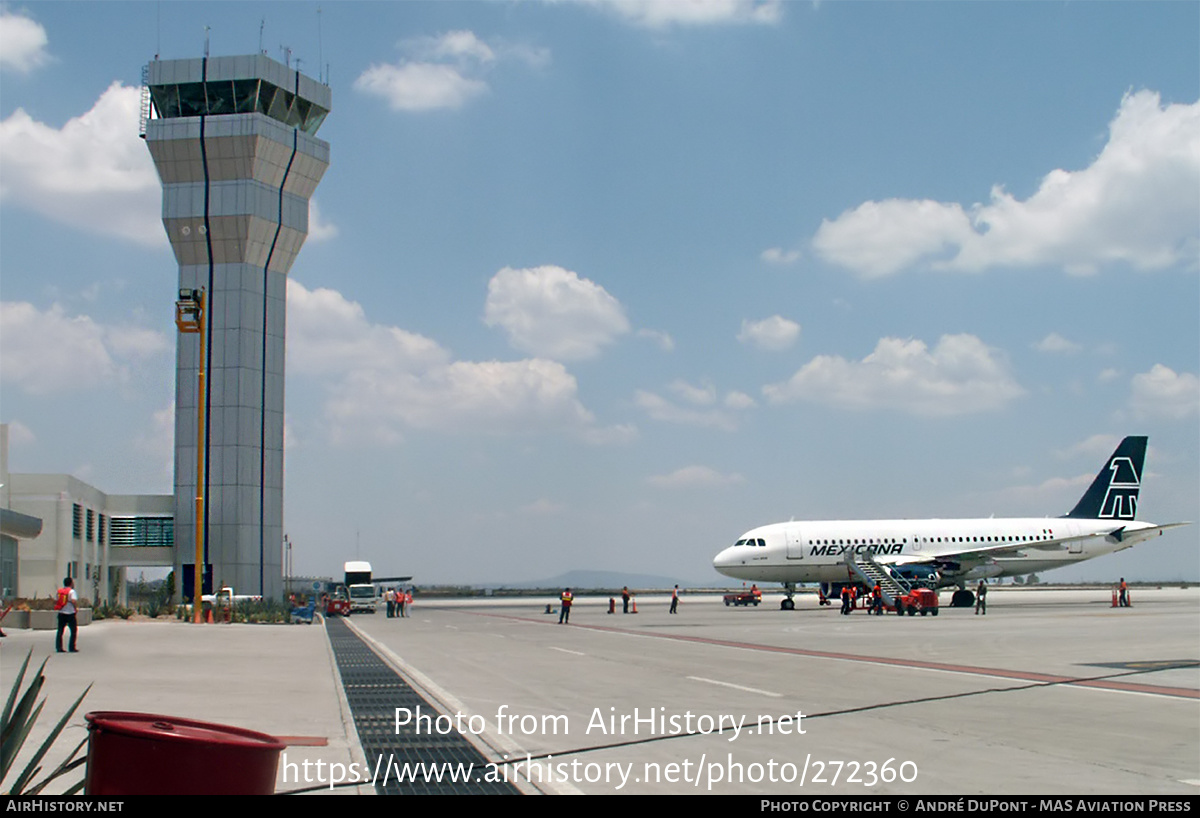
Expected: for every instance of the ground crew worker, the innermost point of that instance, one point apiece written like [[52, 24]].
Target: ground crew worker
[[564, 614], [625, 600], [981, 598], [64, 603], [1124, 599], [845, 599], [675, 600], [877, 600]]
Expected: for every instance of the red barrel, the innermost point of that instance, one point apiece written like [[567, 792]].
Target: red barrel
[[146, 754]]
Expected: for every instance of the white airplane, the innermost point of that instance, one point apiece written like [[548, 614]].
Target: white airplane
[[948, 552]]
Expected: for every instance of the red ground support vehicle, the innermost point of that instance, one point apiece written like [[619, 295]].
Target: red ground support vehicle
[[918, 600], [744, 598], [337, 605]]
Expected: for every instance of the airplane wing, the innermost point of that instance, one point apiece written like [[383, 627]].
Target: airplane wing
[[985, 552]]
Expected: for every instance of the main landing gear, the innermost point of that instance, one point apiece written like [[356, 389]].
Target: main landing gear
[[788, 604], [962, 598]]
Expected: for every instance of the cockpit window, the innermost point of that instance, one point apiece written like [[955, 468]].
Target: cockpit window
[[762, 543], [740, 542]]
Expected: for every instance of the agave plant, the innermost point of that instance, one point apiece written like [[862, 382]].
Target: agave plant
[[15, 725]]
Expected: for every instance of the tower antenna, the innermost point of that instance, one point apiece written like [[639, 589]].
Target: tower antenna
[[320, 52], [262, 24]]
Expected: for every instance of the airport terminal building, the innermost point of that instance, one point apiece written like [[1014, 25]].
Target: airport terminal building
[[56, 525]]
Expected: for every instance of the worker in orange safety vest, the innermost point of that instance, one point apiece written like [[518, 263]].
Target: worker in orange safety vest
[[564, 614]]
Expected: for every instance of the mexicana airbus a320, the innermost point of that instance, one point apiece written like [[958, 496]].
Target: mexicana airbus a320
[[940, 553]]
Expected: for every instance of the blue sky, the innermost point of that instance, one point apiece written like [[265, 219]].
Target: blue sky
[[604, 284]]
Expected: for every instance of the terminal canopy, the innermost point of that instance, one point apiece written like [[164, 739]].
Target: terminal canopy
[[246, 96]]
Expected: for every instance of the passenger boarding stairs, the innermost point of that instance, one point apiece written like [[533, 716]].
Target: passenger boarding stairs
[[891, 584]]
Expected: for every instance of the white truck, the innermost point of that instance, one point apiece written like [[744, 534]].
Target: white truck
[[359, 587], [227, 598]]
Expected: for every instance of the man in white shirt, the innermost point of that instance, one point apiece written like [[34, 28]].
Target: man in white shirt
[[65, 603]]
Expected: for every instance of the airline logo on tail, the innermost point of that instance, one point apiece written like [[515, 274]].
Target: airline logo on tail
[[1113, 494], [1120, 501]]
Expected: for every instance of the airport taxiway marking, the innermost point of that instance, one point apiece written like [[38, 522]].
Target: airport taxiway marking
[[916, 664], [736, 687], [564, 650]]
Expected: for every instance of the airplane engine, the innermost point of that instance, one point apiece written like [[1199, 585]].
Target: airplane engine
[[925, 574], [983, 572], [833, 590]]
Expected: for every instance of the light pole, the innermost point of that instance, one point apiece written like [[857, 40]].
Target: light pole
[[189, 317], [287, 562]]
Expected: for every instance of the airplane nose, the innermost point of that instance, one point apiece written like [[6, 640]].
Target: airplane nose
[[723, 559]]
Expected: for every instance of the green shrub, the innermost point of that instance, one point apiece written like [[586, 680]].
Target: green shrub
[[15, 725]]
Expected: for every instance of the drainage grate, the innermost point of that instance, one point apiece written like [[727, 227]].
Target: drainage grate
[[408, 764]]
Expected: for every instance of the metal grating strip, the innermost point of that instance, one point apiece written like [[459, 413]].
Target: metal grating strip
[[374, 691]]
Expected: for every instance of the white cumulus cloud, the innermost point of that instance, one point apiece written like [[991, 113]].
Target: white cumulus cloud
[[22, 42], [695, 406], [553, 313], [93, 173], [48, 352], [703, 395], [694, 477], [419, 86], [1094, 447], [461, 45], [1162, 392], [1136, 204], [1056, 343], [665, 13], [157, 440], [960, 375], [881, 238], [777, 255], [664, 340], [446, 71], [383, 380], [775, 333], [318, 228]]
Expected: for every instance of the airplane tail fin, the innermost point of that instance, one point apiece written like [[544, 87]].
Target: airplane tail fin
[[1114, 492]]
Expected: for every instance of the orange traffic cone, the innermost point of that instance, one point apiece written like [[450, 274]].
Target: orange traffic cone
[[1114, 600], [210, 616], [633, 605]]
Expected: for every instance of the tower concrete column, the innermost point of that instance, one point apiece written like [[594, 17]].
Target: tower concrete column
[[233, 141]]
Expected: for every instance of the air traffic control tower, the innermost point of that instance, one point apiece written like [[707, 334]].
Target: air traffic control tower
[[234, 142]]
